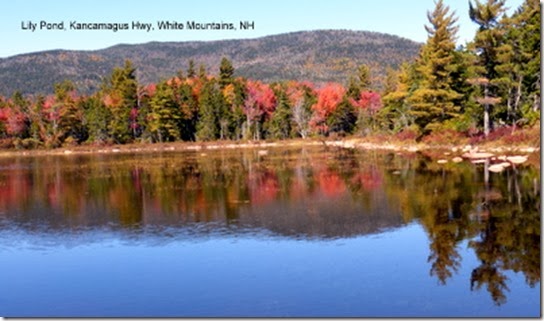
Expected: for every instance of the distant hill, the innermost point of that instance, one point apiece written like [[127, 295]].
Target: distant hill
[[317, 56]]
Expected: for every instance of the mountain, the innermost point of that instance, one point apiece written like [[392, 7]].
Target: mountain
[[316, 56]]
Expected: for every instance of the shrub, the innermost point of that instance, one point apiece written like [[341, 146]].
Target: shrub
[[445, 137]]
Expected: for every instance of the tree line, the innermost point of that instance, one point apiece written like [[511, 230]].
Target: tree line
[[492, 81]]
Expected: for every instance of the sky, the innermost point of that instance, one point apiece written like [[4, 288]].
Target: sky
[[398, 17]]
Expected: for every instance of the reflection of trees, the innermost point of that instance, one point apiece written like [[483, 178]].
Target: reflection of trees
[[453, 203], [439, 197], [292, 192], [509, 232]]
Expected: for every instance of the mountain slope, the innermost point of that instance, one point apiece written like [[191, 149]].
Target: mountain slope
[[317, 56]]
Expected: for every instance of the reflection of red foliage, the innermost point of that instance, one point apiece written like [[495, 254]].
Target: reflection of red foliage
[[14, 189], [53, 192], [263, 187], [299, 189], [330, 183], [369, 180]]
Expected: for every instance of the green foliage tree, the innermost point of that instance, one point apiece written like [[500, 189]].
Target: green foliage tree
[[518, 68], [188, 105], [191, 73], [96, 119], [342, 120], [364, 77], [487, 41], [396, 114], [120, 92], [164, 119], [208, 127], [226, 73], [434, 101], [280, 126]]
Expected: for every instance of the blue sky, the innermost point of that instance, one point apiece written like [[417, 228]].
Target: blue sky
[[398, 17]]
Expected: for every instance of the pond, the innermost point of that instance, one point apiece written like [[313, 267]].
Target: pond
[[298, 232]]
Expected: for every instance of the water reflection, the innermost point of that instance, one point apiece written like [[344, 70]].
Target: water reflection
[[294, 193]]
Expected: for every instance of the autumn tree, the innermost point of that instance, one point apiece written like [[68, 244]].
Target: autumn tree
[[367, 107], [328, 99], [301, 98], [259, 104], [435, 100], [57, 117], [17, 116], [234, 118]]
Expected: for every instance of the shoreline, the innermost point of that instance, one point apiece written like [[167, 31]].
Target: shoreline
[[349, 143]]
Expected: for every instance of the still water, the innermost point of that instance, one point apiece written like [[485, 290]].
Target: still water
[[300, 232]]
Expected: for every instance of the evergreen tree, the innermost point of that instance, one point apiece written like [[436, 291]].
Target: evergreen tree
[[226, 73], [518, 68], [486, 45], [202, 75], [280, 123], [342, 120], [434, 101], [164, 119], [353, 88], [191, 73], [96, 119], [189, 112], [207, 126], [120, 91], [365, 80]]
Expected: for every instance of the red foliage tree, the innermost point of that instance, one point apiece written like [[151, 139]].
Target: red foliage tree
[[369, 101], [259, 105], [328, 99]]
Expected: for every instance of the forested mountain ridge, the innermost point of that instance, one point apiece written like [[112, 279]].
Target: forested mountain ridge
[[315, 56]]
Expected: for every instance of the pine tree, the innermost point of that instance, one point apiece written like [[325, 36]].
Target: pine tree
[[486, 45], [189, 112], [365, 81], [226, 73], [279, 125], [191, 73], [434, 101], [519, 64], [164, 119], [342, 120], [207, 125], [96, 119], [120, 96]]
